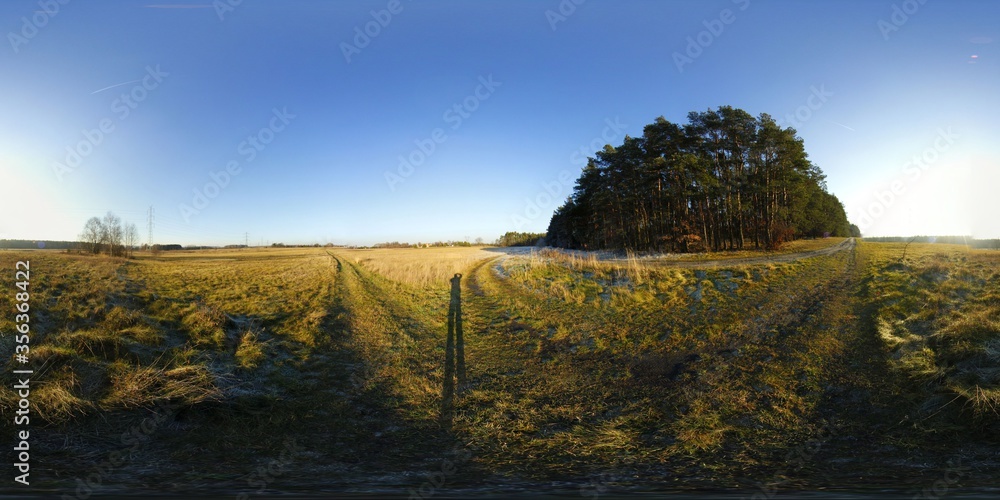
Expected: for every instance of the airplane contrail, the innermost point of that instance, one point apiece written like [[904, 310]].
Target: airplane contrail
[[115, 85], [842, 125]]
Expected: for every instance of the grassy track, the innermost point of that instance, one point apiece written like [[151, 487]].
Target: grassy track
[[571, 405]]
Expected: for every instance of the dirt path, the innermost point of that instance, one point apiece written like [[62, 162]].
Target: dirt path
[[396, 377]]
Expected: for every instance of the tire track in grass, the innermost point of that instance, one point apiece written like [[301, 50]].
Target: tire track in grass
[[492, 342], [541, 409], [533, 413], [775, 349], [312, 408], [351, 415], [750, 410], [502, 372], [874, 404], [396, 372]]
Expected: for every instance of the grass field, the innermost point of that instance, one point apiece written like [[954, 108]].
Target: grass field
[[592, 374]]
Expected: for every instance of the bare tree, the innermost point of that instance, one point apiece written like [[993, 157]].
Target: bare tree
[[131, 238], [113, 234], [92, 235], [110, 236]]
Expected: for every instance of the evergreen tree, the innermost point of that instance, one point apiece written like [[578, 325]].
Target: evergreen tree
[[723, 181]]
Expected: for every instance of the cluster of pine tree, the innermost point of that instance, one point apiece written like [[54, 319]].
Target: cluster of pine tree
[[723, 181]]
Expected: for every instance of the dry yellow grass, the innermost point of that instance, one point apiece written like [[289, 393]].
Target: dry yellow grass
[[419, 267], [939, 317], [574, 363], [232, 254], [805, 245], [291, 287]]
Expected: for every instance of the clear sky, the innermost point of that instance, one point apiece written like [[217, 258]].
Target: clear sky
[[122, 105]]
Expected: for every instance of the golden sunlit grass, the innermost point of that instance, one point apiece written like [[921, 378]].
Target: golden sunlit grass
[[939, 316], [143, 386], [116, 334], [574, 363], [700, 360], [289, 289], [420, 267], [388, 332], [796, 246], [639, 268]]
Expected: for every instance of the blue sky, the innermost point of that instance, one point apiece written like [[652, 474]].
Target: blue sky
[[869, 85]]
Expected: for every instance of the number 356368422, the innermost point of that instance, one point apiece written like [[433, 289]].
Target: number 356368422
[[22, 305]]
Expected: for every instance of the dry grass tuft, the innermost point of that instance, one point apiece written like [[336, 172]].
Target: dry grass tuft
[[144, 386], [250, 351]]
